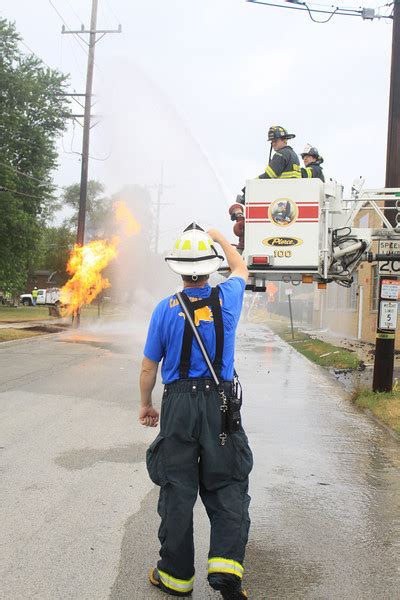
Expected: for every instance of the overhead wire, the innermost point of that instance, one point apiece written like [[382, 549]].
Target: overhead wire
[[331, 11], [42, 181], [34, 53], [79, 41], [318, 21], [304, 7], [74, 11], [6, 189], [117, 19]]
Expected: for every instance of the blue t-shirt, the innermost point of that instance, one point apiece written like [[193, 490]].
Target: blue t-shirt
[[165, 335]]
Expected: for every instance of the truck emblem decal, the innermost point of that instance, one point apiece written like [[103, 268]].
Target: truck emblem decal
[[282, 241], [283, 212]]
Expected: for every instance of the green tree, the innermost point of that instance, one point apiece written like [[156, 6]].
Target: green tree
[[33, 113], [56, 244], [98, 209]]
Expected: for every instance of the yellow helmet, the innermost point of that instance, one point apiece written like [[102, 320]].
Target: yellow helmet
[[194, 253]]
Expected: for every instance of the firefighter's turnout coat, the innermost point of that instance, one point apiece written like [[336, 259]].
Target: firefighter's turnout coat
[[284, 164], [313, 171]]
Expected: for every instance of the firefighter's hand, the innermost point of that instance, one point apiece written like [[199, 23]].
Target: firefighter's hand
[[148, 416], [216, 235]]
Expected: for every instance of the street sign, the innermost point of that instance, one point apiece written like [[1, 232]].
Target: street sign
[[388, 315], [389, 267], [288, 292], [390, 289]]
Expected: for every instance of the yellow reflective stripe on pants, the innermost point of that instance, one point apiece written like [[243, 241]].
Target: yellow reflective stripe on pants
[[178, 585], [225, 565], [271, 173], [290, 175]]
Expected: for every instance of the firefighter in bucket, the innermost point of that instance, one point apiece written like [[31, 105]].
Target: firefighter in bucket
[[284, 164]]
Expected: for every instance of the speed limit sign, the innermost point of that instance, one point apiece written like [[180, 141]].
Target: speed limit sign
[[389, 267], [388, 315]]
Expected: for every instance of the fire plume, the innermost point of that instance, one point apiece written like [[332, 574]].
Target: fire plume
[[86, 263], [125, 218], [85, 266]]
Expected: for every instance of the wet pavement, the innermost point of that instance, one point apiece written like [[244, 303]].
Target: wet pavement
[[326, 504], [79, 512]]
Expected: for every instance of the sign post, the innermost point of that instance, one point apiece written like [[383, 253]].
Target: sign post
[[289, 295], [387, 317]]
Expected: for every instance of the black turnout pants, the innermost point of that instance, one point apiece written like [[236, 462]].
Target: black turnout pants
[[187, 458]]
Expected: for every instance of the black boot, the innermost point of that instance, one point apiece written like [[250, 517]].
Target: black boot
[[234, 595]]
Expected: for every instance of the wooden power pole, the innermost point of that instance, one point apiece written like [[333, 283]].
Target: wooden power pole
[[93, 39], [80, 237], [385, 339]]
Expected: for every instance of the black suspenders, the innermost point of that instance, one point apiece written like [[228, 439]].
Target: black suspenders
[[214, 303]]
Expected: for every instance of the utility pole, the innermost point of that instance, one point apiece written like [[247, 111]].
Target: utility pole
[[159, 193], [80, 237], [93, 39], [160, 187], [393, 140], [385, 340]]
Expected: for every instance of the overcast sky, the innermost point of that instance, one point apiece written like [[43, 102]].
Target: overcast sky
[[195, 84]]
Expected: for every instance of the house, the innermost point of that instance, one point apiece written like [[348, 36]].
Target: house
[[44, 279]]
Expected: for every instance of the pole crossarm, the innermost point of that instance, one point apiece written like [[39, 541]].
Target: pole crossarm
[[89, 31]]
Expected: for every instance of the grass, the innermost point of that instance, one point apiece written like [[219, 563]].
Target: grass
[[108, 312], [384, 405], [10, 314], [321, 353], [8, 334]]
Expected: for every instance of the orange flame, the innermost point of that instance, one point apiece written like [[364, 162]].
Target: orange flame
[[87, 262], [85, 265], [124, 216]]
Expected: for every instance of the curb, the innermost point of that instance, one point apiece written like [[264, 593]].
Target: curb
[[390, 431]]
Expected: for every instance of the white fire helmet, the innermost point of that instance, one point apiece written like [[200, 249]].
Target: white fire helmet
[[194, 253]]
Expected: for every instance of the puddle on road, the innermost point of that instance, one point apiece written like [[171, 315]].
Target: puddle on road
[[100, 344], [260, 349], [276, 573], [45, 328], [84, 458]]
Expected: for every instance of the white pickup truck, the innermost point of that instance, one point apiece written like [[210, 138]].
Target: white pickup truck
[[50, 297]]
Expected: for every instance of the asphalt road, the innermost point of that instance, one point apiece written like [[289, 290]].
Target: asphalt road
[[79, 512]]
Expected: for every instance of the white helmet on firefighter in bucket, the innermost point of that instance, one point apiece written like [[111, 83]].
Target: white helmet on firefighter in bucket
[[194, 253]]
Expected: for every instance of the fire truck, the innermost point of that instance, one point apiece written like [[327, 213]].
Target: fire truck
[[302, 230]]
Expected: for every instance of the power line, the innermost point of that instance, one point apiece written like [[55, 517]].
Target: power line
[[6, 189], [117, 19], [365, 13], [42, 181], [76, 37], [304, 7], [34, 54], [74, 11]]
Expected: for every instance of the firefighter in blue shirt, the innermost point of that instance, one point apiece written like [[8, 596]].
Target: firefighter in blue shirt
[[187, 457]]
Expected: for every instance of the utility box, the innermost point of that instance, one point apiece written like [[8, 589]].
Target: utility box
[[282, 223]]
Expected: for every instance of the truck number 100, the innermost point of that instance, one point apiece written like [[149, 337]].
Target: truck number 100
[[282, 253]]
